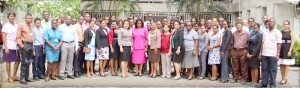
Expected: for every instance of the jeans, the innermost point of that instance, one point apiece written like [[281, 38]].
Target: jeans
[[27, 58], [269, 70], [38, 65]]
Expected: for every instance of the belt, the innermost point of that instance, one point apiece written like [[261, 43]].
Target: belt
[[27, 42], [67, 41], [238, 49], [38, 45], [286, 41]]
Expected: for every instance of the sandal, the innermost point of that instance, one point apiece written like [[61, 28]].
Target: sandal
[[10, 80], [282, 82], [223, 81]]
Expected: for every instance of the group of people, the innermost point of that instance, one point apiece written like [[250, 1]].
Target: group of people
[[208, 48]]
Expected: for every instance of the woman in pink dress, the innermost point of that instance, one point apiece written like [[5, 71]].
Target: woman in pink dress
[[139, 46]]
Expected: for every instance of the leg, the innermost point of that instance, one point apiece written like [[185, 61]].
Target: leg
[[63, 59], [235, 65], [70, 59], [254, 72], [123, 69], [101, 68], [282, 71], [136, 69], [116, 62], [203, 63], [265, 71], [35, 64], [48, 71], [88, 68], [164, 64], [151, 69], [154, 69], [16, 66], [92, 68], [111, 64], [225, 66], [104, 65], [286, 71], [177, 69], [244, 66], [168, 66], [140, 69], [273, 70], [8, 72]]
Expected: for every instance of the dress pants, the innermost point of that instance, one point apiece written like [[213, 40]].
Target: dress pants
[[78, 60], [202, 62], [269, 70], [166, 64], [66, 62], [27, 58], [240, 64], [38, 62], [225, 66]]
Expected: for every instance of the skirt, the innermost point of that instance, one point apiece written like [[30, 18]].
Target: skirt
[[286, 61], [126, 55], [53, 56], [116, 53], [190, 60], [254, 62], [13, 56], [138, 56], [152, 57], [91, 55], [177, 58], [104, 55]]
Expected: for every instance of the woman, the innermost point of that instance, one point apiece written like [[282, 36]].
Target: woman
[[154, 42], [10, 50], [139, 47], [203, 43], [166, 52], [253, 53], [202, 22], [287, 56], [53, 41], [120, 24], [196, 27], [214, 52], [125, 43], [114, 48], [102, 47], [225, 49], [90, 48], [190, 60], [177, 49]]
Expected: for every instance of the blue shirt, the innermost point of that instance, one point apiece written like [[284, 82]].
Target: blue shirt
[[38, 36], [54, 37], [262, 29], [70, 34]]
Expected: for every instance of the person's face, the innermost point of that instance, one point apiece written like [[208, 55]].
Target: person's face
[[215, 29], [87, 17], [126, 24], [80, 20], [239, 27], [152, 26], [158, 24], [189, 26], [193, 21], [92, 25], [11, 18], [286, 25], [54, 24], [250, 22], [272, 23], [225, 24], [215, 21], [98, 23], [203, 29], [120, 25], [182, 25], [28, 19], [150, 17], [37, 23], [196, 27], [74, 21], [103, 24], [114, 25], [59, 22], [106, 20], [268, 25], [166, 28], [68, 20], [256, 29], [265, 18], [46, 15], [139, 24], [176, 25], [131, 22], [62, 17], [113, 18], [221, 21], [239, 19], [202, 22]]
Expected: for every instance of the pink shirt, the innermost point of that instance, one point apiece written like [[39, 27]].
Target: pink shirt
[[139, 38]]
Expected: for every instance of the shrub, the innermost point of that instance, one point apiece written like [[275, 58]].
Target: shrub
[[297, 52]]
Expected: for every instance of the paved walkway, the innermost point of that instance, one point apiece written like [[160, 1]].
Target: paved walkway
[[131, 81]]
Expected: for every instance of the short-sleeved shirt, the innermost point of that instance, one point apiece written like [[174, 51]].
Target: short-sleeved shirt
[[244, 28], [270, 41], [54, 37], [189, 39], [240, 40], [11, 35], [125, 37]]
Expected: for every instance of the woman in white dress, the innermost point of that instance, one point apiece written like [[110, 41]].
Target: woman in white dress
[[214, 51]]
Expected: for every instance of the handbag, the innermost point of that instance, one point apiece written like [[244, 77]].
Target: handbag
[[86, 50]]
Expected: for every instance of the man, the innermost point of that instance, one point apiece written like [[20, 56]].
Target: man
[[159, 26], [165, 21], [270, 54], [225, 49], [131, 23], [263, 28], [25, 42], [62, 18], [113, 18], [74, 21], [87, 18], [150, 20], [251, 23], [239, 52], [78, 62], [68, 48], [38, 43], [240, 20], [46, 22]]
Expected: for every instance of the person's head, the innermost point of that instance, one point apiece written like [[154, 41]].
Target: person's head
[[220, 21], [11, 16], [202, 22], [98, 22], [37, 22], [251, 22], [150, 16], [239, 20], [28, 18], [46, 15], [256, 27], [239, 26], [176, 25], [131, 22], [286, 24], [193, 21], [62, 18], [87, 17], [225, 24], [172, 23], [159, 24], [265, 18], [209, 24], [214, 21], [91, 24], [68, 20], [94, 19], [80, 19], [182, 25], [215, 29], [189, 25], [114, 24], [181, 21], [120, 24], [166, 28], [74, 21], [126, 25], [203, 29], [196, 27], [54, 24], [272, 23], [165, 21], [103, 24], [267, 24], [106, 19], [59, 22], [139, 23], [152, 26], [113, 18]]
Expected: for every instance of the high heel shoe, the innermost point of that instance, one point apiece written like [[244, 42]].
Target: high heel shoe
[[136, 74], [47, 79], [282, 83]]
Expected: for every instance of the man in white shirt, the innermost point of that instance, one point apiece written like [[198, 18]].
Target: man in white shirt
[[150, 20], [270, 54], [240, 20], [68, 48], [263, 28]]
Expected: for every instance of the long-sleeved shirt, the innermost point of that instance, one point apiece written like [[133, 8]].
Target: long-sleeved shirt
[[24, 33], [203, 42], [69, 34], [46, 25], [38, 36], [85, 25]]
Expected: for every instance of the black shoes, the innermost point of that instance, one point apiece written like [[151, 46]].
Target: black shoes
[[23, 82], [29, 80], [36, 78], [77, 75], [41, 77], [71, 77]]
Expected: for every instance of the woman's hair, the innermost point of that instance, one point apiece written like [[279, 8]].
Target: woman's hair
[[138, 21], [11, 13], [257, 24], [228, 23], [287, 21]]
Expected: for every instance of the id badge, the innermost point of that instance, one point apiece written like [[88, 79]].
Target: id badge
[[55, 40]]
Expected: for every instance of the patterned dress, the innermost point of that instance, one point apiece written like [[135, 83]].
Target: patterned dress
[[214, 55], [91, 55]]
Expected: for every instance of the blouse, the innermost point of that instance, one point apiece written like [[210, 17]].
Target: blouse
[[125, 37]]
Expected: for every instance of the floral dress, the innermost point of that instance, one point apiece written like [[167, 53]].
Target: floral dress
[[214, 55]]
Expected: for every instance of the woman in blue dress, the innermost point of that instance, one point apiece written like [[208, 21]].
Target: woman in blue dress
[[53, 43], [90, 46]]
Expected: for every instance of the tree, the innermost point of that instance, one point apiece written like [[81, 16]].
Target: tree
[[125, 6]]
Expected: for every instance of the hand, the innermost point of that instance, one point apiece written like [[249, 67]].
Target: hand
[[112, 50], [199, 53], [76, 52], [121, 49], [145, 49], [22, 46], [155, 51], [99, 51], [169, 54], [249, 56], [259, 57], [277, 58], [44, 51], [55, 49], [222, 54], [195, 52], [177, 51], [289, 54], [33, 53], [210, 48], [131, 49], [6, 51]]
